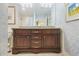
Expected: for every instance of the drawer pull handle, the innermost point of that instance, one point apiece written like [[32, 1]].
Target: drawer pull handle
[[36, 32], [36, 37], [35, 42], [36, 46]]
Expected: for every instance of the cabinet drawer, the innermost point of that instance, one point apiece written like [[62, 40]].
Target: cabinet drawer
[[22, 32], [36, 31], [36, 36], [50, 31], [36, 43]]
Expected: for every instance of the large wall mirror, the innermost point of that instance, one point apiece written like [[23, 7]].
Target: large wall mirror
[[38, 14]]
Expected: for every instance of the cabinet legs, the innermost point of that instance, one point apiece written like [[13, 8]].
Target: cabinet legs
[[14, 51], [36, 51]]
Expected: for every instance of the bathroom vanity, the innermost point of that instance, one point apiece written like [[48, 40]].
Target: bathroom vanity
[[36, 39]]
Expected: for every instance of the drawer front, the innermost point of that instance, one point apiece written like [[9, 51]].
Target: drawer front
[[50, 31], [36, 43], [22, 32], [36, 31], [36, 36]]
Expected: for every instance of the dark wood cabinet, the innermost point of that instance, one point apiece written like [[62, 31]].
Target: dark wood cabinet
[[36, 40]]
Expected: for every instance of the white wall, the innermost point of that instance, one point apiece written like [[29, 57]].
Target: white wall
[[3, 29], [70, 30]]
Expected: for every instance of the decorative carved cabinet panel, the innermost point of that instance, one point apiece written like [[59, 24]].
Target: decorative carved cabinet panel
[[36, 40], [22, 42]]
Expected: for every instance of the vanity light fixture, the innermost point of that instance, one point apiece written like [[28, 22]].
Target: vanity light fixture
[[47, 5], [26, 5]]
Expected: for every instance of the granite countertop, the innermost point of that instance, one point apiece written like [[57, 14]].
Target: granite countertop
[[35, 27]]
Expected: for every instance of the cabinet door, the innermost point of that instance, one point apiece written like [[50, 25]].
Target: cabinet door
[[50, 41], [22, 42]]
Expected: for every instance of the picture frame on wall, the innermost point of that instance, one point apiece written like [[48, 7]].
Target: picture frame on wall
[[11, 15], [72, 12]]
